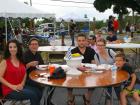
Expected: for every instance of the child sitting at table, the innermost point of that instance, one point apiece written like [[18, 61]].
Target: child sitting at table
[[120, 62]]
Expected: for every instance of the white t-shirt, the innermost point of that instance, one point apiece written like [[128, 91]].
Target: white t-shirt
[[132, 28], [62, 27]]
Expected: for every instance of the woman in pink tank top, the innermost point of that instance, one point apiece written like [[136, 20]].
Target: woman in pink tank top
[[13, 75]]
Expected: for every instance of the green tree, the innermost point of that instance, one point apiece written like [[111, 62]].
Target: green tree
[[120, 7], [100, 24]]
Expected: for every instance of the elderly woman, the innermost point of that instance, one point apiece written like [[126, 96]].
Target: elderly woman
[[13, 75]]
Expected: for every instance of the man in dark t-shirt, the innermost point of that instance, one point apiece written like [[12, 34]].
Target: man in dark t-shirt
[[110, 24], [88, 54], [31, 59]]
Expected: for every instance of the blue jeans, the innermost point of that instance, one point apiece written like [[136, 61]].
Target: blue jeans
[[31, 83], [72, 39], [31, 93], [137, 86]]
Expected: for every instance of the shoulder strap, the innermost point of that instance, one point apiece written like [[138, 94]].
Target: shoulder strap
[[110, 53], [97, 57]]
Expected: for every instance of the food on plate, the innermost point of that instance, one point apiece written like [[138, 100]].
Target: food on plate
[[83, 68], [76, 55], [119, 41]]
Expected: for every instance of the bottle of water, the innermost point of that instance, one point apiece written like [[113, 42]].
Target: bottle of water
[[114, 69], [125, 38]]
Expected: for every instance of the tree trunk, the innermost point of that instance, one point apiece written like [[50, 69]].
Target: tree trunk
[[121, 23], [133, 17]]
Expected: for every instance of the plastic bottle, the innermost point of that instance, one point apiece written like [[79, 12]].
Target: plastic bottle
[[126, 38], [114, 70]]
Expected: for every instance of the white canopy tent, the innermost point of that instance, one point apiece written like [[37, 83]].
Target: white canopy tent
[[74, 17], [15, 9]]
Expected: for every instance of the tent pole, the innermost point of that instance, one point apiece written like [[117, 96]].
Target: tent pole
[[30, 2], [6, 29], [54, 21]]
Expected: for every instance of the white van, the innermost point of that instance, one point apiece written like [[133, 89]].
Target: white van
[[46, 28]]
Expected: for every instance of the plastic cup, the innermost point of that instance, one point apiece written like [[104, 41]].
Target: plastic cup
[[51, 69]]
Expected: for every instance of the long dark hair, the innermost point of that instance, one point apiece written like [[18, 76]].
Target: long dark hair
[[19, 50]]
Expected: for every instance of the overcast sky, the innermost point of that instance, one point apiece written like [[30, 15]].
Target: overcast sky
[[64, 9]]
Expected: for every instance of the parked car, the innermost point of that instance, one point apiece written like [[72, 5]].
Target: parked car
[[48, 28]]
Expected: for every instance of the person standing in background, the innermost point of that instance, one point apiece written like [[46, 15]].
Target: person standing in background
[[72, 27], [116, 25], [127, 29], [62, 32], [18, 35], [110, 24], [132, 30]]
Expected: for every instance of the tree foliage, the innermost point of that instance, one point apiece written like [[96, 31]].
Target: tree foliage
[[119, 6]]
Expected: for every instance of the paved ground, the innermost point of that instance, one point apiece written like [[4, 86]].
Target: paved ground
[[60, 97]]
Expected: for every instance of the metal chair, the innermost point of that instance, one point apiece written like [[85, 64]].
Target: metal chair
[[13, 102]]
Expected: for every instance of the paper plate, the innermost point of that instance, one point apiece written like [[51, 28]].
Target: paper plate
[[42, 67], [101, 71]]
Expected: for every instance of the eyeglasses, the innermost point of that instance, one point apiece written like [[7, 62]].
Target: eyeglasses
[[90, 39], [101, 45], [34, 44]]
